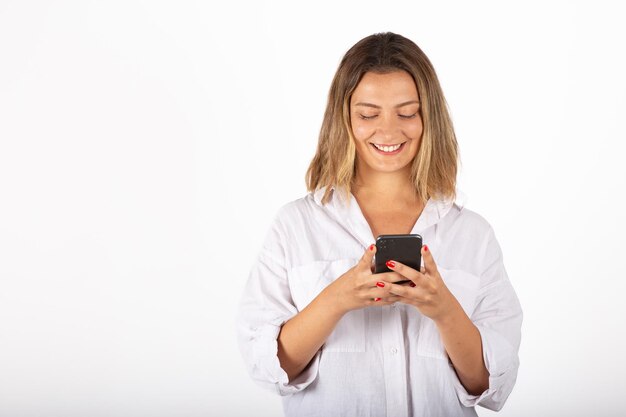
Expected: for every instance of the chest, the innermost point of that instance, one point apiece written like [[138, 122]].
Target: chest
[[390, 221]]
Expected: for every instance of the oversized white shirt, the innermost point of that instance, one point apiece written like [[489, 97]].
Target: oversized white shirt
[[378, 361]]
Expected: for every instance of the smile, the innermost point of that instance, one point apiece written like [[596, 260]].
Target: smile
[[388, 149]]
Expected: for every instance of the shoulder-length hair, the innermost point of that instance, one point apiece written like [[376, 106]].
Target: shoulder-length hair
[[435, 166]]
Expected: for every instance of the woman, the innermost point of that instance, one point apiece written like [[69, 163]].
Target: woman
[[317, 326]]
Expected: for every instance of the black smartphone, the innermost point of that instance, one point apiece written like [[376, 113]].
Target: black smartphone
[[406, 249]]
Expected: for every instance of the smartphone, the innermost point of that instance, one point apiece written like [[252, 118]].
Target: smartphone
[[406, 249]]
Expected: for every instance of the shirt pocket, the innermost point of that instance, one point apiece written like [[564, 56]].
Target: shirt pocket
[[464, 286], [307, 281]]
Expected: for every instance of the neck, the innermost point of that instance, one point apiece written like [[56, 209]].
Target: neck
[[390, 186]]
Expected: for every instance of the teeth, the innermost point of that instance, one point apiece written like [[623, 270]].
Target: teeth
[[388, 148]]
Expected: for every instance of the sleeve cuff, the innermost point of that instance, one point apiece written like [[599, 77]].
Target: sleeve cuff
[[502, 366], [266, 369]]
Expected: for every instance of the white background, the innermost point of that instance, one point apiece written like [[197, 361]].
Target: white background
[[146, 146]]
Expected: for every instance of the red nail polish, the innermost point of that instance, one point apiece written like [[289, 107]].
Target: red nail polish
[[377, 299], [391, 264], [371, 248], [380, 284], [425, 248]]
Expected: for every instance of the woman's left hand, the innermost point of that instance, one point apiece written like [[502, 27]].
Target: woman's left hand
[[427, 291]]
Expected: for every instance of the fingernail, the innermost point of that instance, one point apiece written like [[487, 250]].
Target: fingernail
[[380, 284], [377, 299], [412, 284], [391, 264], [371, 247], [425, 248]]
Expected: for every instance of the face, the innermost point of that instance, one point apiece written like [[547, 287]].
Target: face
[[386, 122]]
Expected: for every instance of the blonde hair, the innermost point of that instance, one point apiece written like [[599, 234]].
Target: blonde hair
[[435, 166]]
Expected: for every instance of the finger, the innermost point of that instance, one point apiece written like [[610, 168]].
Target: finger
[[406, 271], [429, 261], [385, 301], [391, 277], [379, 293], [366, 260], [406, 292], [381, 290], [402, 291]]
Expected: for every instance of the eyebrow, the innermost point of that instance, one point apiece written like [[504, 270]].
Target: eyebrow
[[406, 103]]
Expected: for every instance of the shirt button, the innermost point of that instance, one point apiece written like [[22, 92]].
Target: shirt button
[[394, 350]]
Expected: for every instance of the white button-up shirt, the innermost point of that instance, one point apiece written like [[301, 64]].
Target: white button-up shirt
[[378, 361]]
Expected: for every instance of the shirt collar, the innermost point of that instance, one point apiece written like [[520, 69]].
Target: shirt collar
[[345, 207]]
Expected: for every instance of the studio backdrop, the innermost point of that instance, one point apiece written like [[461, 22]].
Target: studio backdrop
[[145, 147]]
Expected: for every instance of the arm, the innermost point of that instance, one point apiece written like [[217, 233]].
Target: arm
[[462, 342], [489, 341], [460, 337], [302, 336]]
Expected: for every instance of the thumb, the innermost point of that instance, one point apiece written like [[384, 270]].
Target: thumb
[[368, 256]]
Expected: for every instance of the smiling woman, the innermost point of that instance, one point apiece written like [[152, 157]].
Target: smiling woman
[[317, 326], [360, 92]]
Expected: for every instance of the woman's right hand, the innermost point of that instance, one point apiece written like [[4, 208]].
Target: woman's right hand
[[359, 287], [305, 333]]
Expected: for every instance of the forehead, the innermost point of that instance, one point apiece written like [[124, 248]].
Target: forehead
[[392, 87]]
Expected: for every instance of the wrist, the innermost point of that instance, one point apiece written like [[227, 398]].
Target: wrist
[[451, 316], [330, 303]]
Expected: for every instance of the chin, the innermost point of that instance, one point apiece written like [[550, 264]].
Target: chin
[[389, 168]]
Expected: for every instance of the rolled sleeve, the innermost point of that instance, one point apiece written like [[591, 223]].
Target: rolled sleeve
[[265, 368], [502, 364], [498, 317], [265, 306]]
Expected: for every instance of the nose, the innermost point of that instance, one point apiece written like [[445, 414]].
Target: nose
[[388, 128]]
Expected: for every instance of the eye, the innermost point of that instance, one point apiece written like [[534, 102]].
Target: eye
[[408, 116], [364, 117]]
